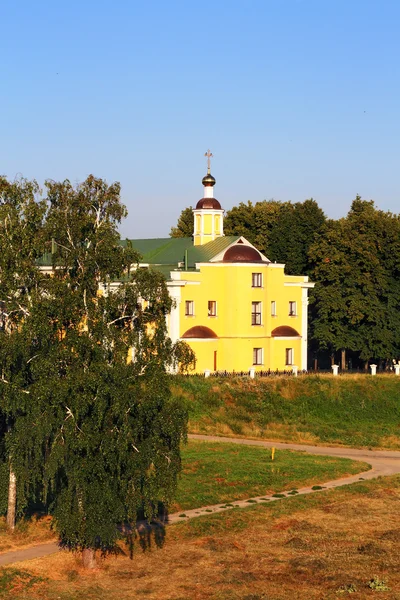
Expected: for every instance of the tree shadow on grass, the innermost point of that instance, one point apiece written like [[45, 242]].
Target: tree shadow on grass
[[147, 533]]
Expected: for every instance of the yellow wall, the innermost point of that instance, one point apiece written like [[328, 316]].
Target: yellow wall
[[208, 219], [231, 287]]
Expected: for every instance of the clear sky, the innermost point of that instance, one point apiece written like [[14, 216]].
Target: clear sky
[[295, 98]]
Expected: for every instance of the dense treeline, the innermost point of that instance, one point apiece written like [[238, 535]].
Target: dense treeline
[[354, 261], [93, 438]]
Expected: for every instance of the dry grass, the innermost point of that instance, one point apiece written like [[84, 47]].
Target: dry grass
[[306, 548], [273, 432], [27, 533]]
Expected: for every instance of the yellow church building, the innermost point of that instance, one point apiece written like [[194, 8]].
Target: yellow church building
[[236, 309]]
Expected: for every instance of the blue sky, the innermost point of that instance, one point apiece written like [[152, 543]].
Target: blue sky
[[295, 98]]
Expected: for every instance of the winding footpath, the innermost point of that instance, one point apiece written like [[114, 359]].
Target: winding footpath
[[383, 463]]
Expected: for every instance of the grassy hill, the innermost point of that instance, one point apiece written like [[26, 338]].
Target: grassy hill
[[352, 410]]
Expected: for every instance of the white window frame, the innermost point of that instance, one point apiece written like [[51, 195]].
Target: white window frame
[[256, 280], [215, 308], [273, 308], [292, 308], [256, 315], [258, 356], [289, 357], [189, 308]]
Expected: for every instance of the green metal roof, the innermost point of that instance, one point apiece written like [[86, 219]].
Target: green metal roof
[[164, 254], [205, 253], [161, 251]]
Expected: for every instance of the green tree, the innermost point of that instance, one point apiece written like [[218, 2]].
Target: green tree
[[355, 301], [21, 243], [185, 224], [293, 233], [240, 220], [283, 231], [112, 431]]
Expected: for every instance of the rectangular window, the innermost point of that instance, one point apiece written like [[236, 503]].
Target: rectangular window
[[257, 356], [289, 356], [256, 280], [292, 309], [189, 308], [273, 308], [212, 308], [256, 313]]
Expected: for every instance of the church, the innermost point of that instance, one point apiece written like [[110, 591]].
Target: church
[[236, 309]]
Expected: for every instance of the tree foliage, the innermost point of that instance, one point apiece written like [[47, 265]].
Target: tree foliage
[[185, 224], [283, 231], [356, 298], [114, 445], [99, 435], [22, 214]]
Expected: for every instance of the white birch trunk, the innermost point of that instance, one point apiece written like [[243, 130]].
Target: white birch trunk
[[12, 500]]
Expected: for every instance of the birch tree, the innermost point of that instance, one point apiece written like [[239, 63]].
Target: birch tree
[[21, 244], [113, 430]]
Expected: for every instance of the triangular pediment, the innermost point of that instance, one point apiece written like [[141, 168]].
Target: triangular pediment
[[242, 242]]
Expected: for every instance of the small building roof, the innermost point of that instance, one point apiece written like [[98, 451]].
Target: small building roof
[[210, 203], [242, 253], [199, 332], [284, 331]]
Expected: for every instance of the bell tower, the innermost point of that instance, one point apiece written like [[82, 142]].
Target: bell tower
[[208, 214]]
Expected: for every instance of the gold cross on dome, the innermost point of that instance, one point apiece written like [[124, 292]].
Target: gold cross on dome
[[209, 155]]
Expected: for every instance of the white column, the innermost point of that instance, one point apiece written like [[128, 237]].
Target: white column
[[335, 369], [194, 223], [207, 373], [174, 317], [252, 373], [373, 369], [304, 327], [295, 369], [397, 369], [208, 191]]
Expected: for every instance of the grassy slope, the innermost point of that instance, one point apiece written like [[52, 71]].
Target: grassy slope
[[220, 472], [351, 410], [305, 548]]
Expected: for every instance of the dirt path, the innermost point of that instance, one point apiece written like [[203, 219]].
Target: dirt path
[[383, 462]]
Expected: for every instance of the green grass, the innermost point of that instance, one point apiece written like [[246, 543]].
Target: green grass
[[219, 472], [358, 411]]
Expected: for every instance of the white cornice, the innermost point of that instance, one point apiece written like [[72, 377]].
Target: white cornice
[[232, 264], [302, 284], [181, 283], [176, 283]]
